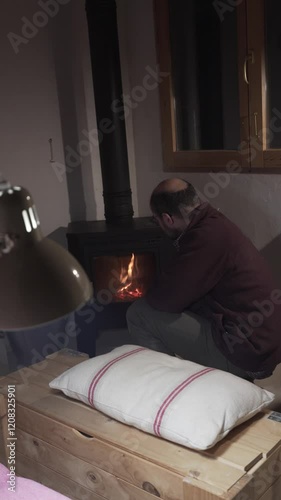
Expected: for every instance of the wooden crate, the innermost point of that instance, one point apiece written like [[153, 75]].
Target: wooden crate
[[86, 455]]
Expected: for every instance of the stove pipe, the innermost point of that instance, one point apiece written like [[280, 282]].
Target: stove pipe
[[106, 68]]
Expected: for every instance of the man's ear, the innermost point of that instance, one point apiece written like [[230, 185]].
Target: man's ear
[[167, 219]]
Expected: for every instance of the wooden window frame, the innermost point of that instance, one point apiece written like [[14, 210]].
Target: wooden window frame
[[262, 155], [254, 153]]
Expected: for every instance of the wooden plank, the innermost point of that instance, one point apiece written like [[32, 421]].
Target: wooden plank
[[272, 158], [175, 458], [259, 480], [249, 434], [192, 490], [49, 367], [3, 407], [39, 374], [68, 357], [93, 478], [3, 430], [124, 465], [34, 378], [141, 458], [241, 11], [4, 382], [257, 79], [146, 446], [27, 394], [274, 492], [33, 470], [44, 372], [236, 454], [53, 366], [3, 459], [89, 421], [208, 159]]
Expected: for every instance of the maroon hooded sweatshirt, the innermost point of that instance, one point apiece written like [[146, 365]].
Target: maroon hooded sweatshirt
[[220, 275]]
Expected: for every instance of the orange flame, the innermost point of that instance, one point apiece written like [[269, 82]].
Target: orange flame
[[128, 276]]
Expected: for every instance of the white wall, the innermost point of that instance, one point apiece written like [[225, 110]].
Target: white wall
[[30, 115], [253, 201], [47, 92]]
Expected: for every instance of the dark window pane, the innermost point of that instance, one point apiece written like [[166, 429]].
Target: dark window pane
[[205, 76], [273, 54]]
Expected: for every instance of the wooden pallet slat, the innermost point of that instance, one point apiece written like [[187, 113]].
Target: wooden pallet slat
[[68, 357], [159, 451], [236, 454], [93, 478], [118, 462], [37, 472], [125, 465]]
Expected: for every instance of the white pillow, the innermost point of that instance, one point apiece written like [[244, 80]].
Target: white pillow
[[175, 399]]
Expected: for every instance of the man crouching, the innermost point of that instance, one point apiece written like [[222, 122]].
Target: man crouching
[[217, 304]]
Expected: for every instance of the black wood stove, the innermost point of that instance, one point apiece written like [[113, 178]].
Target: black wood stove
[[122, 255]]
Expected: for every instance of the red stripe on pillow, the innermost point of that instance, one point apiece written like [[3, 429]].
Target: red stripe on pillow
[[173, 395], [103, 370]]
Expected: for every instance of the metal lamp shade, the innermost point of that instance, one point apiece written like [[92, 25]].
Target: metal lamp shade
[[39, 280]]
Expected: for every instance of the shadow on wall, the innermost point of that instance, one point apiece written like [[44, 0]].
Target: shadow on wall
[[63, 40], [59, 236], [262, 222], [272, 254]]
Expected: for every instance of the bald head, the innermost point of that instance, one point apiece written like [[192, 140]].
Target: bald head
[[171, 186], [175, 197]]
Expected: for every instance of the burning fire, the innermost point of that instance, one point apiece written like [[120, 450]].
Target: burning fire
[[129, 289]]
